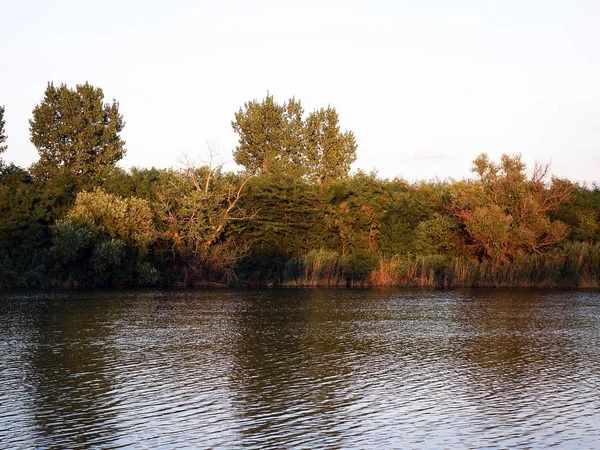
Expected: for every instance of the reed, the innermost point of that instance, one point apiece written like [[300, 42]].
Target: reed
[[575, 265], [318, 268], [387, 272]]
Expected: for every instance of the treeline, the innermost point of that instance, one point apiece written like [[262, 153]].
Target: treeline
[[292, 217]]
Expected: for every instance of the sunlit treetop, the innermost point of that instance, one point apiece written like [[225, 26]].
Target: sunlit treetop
[[2, 132], [75, 131]]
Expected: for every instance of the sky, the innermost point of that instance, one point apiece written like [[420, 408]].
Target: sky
[[425, 85]]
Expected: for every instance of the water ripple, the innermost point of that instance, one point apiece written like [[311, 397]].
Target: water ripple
[[300, 369]]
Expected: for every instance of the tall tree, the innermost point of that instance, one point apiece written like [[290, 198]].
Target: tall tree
[[277, 139], [329, 151], [270, 136], [2, 135], [76, 132]]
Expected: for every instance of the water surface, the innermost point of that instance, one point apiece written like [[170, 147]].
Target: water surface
[[300, 368]]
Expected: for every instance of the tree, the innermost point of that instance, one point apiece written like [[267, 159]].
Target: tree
[[270, 136], [357, 207], [20, 202], [75, 132], [196, 208], [23, 234], [582, 213], [2, 135], [103, 241], [291, 216], [437, 236], [329, 151], [505, 213], [276, 139], [127, 219]]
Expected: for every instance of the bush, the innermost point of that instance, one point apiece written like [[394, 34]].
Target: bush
[[358, 266]]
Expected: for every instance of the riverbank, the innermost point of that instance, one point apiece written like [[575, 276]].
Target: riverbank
[[574, 266]]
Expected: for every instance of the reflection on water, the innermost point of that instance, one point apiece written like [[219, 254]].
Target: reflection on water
[[300, 368]]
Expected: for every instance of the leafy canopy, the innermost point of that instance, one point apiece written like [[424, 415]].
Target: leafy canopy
[[75, 132], [129, 219], [505, 212], [2, 135], [276, 139]]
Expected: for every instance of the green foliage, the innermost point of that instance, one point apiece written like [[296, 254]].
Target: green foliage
[[129, 220], [586, 222], [24, 239], [20, 201], [2, 132], [75, 132], [196, 209], [83, 258], [72, 249], [147, 274], [439, 235], [137, 182], [356, 209], [276, 139], [270, 136], [329, 151], [70, 242], [505, 213], [23, 258], [290, 218], [107, 260], [358, 266], [293, 219], [57, 195], [581, 214], [491, 226], [103, 241], [406, 207]]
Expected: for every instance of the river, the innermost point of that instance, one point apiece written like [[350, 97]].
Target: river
[[300, 368]]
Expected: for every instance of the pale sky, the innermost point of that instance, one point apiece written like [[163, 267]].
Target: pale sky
[[425, 85]]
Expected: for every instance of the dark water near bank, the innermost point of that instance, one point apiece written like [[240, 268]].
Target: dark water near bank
[[300, 368]]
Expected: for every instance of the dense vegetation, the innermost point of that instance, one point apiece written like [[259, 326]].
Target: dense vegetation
[[293, 217]]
